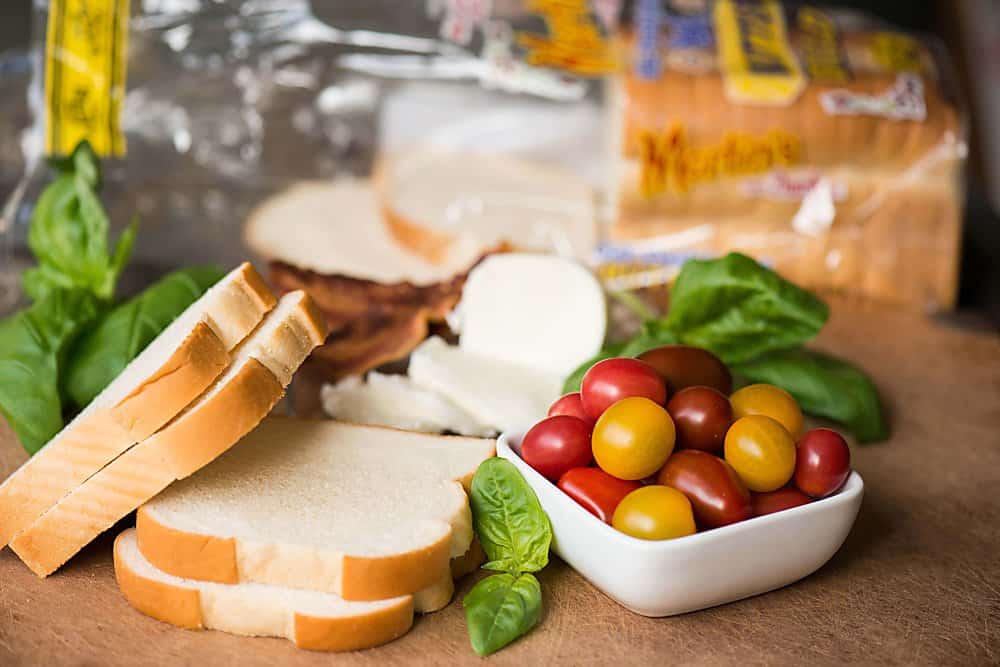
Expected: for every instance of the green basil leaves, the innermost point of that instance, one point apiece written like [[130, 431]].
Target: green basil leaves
[[515, 534], [501, 608]]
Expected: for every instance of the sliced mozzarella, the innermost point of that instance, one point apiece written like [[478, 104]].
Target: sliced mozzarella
[[538, 311], [394, 400], [504, 395]]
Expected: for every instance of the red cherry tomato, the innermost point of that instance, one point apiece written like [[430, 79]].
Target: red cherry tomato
[[571, 405], [822, 462], [702, 416], [776, 501], [611, 380], [717, 495], [685, 366], [556, 444], [598, 492]]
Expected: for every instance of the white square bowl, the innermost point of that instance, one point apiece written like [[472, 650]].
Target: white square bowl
[[663, 578]]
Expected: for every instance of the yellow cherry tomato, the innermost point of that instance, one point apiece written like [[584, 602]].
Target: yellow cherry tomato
[[654, 512], [770, 401], [761, 451], [633, 438]]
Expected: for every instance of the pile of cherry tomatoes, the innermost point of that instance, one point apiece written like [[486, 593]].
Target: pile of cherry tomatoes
[[700, 460]]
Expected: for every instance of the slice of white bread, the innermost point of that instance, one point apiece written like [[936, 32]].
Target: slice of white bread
[[238, 400], [310, 619], [337, 228], [435, 202], [172, 371], [365, 512]]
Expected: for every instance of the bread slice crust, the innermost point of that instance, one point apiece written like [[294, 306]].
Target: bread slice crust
[[98, 436], [206, 429], [181, 603]]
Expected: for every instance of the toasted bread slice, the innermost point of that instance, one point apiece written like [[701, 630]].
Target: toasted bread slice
[[262, 367], [364, 512], [170, 373], [312, 620]]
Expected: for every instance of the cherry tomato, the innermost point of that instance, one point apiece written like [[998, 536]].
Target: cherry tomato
[[761, 452], [775, 501], [702, 416], [556, 444], [611, 380], [633, 438], [654, 513], [571, 405], [598, 492], [717, 494], [770, 401], [822, 462], [683, 366]]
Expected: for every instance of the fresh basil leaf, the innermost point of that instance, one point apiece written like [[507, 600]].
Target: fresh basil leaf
[[575, 378], [824, 386], [501, 608], [69, 233], [509, 520], [32, 346], [102, 354], [739, 310]]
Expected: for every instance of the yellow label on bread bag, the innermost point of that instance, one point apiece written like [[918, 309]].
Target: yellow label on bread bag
[[896, 52], [820, 43], [575, 42], [757, 62], [85, 75], [669, 163]]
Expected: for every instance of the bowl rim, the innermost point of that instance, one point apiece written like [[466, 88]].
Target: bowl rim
[[847, 494]]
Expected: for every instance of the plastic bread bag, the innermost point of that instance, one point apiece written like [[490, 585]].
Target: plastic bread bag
[[817, 140]]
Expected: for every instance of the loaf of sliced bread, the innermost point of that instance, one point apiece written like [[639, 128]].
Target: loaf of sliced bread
[[364, 512], [171, 372], [238, 400], [310, 619]]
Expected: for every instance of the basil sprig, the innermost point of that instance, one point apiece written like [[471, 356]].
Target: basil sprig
[[756, 322], [72, 341], [515, 534]]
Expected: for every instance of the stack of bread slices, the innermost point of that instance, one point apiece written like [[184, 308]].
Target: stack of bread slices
[[329, 534]]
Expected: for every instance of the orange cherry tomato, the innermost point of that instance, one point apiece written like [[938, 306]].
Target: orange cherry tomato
[[761, 451], [654, 513], [770, 401], [596, 491], [633, 438]]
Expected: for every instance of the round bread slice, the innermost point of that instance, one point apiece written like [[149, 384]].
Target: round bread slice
[[364, 512], [238, 400], [171, 372], [312, 620], [439, 202], [336, 228]]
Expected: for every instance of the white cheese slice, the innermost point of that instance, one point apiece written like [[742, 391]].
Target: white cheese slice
[[395, 401], [507, 396], [538, 311]]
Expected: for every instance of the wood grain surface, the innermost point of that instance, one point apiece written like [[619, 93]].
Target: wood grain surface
[[917, 582]]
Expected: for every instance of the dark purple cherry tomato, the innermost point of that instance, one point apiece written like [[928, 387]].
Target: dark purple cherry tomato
[[683, 366], [713, 487], [776, 501], [611, 380], [702, 416], [556, 444], [596, 491], [571, 405], [822, 462]]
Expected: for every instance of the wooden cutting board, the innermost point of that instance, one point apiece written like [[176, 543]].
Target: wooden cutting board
[[917, 582]]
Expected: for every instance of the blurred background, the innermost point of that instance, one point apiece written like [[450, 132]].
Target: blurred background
[[970, 30]]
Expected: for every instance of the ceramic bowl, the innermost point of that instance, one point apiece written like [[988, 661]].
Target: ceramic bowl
[[663, 578]]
